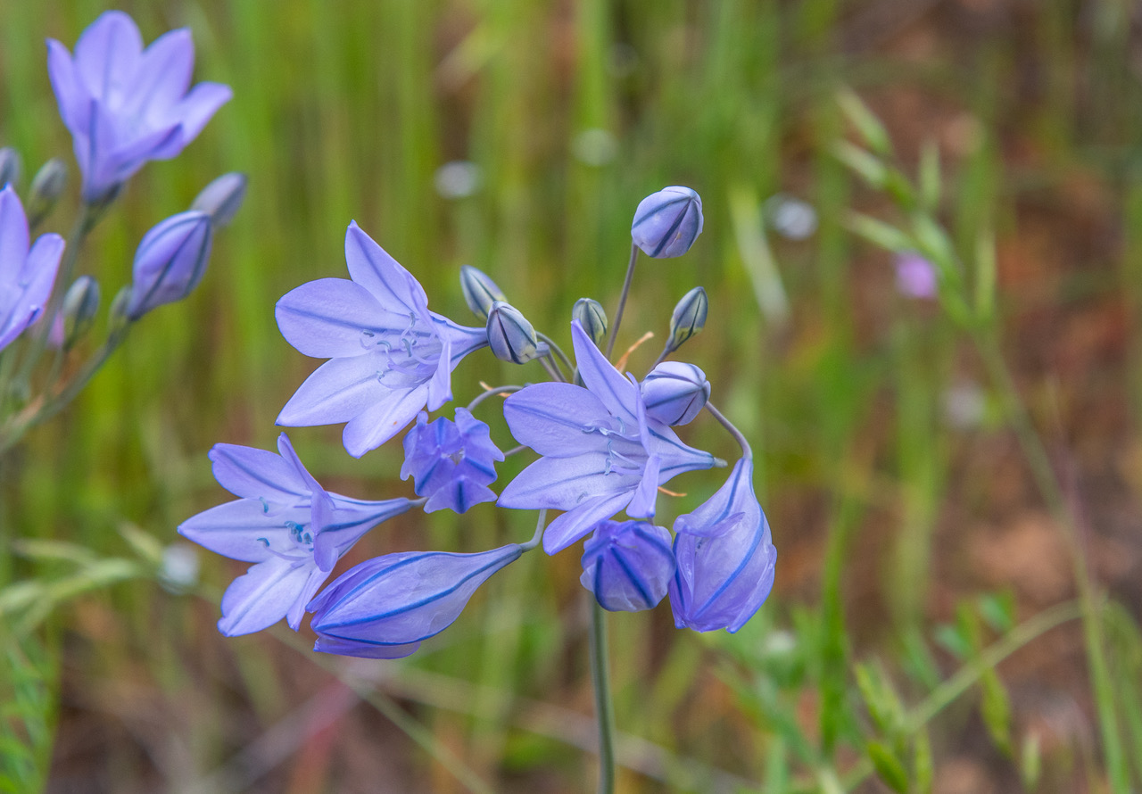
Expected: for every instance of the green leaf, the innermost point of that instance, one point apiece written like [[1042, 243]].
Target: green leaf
[[929, 176], [922, 762], [880, 698], [868, 126], [919, 662], [1030, 762], [879, 233], [998, 611], [953, 641], [985, 281], [997, 711], [864, 164], [888, 766]]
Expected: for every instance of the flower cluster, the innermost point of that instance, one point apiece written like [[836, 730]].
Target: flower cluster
[[605, 443]]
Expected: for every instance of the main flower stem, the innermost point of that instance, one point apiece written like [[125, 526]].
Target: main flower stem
[[622, 300], [604, 712]]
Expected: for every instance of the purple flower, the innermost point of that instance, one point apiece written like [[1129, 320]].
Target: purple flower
[[286, 524], [125, 105], [26, 275], [916, 276], [389, 355], [451, 463], [668, 222], [675, 392], [385, 607], [627, 565], [169, 262], [601, 453], [725, 557]]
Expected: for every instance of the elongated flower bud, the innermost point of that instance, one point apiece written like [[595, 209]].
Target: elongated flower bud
[[511, 336], [10, 166], [667, 223], [80, 304], [222, 198], [688, 319], [591, 316], [480, 292], [675, 392], [628, 565], [170, 262], [46, 188]]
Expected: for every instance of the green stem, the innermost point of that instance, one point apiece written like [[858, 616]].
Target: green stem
[[622, 300], [1045, 477], [558, 350], [604, 712]]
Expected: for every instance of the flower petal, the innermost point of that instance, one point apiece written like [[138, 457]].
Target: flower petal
[[262, 596], [604, 381], [376, 271], [106, 55], [72, 95], [257, 474], [162, 75], [557, 419], [565, 483], [13, 242], [570, 527], [197, 108], [337, 391], [243, 529], [384, 420], [330, 318]]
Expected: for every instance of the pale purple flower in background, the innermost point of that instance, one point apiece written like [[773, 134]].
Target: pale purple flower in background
[[451, 463], [26, 273], [385, 607], [916, 276], [125, 105], [286, 524], [724, 556], [389, 356], [628, 565], [601, 453]]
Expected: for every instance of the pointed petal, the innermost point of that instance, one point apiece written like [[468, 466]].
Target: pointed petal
[[373, 268], [262, 596], [162, 75], [459, 495], [463, 340], [557, 419], [643, 503], [71, 94], [570, 527], [13, 241], [298, 608], [564, 483], [440, 385], [257, 474], [604, 381], [243, 529], [337, 391], [197, 108], [330, 318], [106, 55], [384, 420]]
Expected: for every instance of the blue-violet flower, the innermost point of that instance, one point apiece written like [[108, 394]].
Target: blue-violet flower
[[675, 392], [26, 274], [286, 524], [725, 557], [628, 565], [389, 355], [451, 463], [601, 452], [125, 105], [385, 607]]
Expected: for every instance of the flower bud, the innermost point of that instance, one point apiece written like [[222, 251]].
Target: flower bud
[[510, 335], [80, 304], [675, 392], [688, 318], [667, 223], [591, 316], [628, 565], [170, 262], [222, 198], [10, 166], [480, 292], [46, 188]]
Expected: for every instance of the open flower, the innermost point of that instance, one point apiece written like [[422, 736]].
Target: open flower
[[389, 356], [628, 565], [125, 105], [601, 452], [385, 607], [286, 524], [451, 463], [26, 274], [725, 557]]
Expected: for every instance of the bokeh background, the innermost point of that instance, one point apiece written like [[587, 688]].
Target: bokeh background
[[910, 533]]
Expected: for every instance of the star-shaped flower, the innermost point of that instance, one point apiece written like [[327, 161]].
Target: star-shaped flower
[[601, 452], [389, 356]]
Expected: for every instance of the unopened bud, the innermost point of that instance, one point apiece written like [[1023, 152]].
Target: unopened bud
[[480, 292], [667, 223], [511, 336], [222, 198], [47, 186], [675, 392], [688, 318], [591, 316], [117, 314], [10, 166], [170, 262], [80, 304]]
